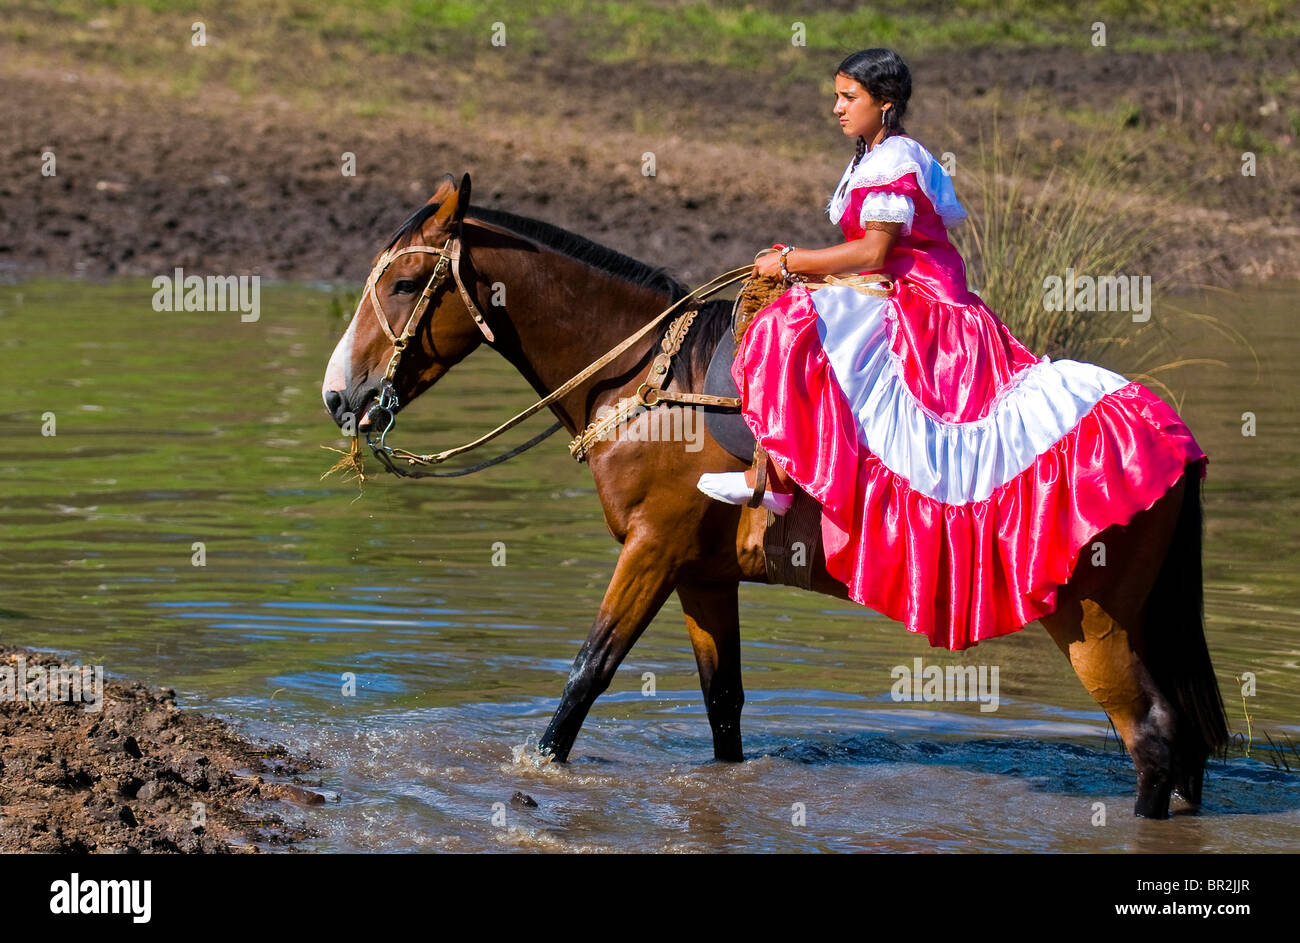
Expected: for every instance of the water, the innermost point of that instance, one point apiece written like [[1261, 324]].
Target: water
[[195, 427]]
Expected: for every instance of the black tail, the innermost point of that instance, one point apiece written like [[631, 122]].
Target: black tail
[[1173, 629]]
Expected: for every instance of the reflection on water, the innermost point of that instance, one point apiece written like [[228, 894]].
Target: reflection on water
[[207, 433]]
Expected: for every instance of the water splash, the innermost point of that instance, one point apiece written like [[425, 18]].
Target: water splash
[[529, 755]]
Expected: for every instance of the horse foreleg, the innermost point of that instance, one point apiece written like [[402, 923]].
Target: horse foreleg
[[713, 621], [642, 581]]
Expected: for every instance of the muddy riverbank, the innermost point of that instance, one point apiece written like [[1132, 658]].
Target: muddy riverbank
[[128, 770]]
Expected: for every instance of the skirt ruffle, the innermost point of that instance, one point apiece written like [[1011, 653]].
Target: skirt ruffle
[[958, 573]]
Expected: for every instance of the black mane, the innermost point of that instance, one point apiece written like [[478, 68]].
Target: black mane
[[412, 225], [584, 250], [714, 317], [560, 240]]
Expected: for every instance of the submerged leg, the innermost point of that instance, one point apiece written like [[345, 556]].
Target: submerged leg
[[713, 621], [642, 581], [1100, 647], [1098, 624]]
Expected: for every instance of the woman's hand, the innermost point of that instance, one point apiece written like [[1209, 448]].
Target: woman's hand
[[768, 264], [866, 254]]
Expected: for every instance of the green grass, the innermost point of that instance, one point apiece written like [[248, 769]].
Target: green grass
[[344, 48], [277, 34], [1242, 138]]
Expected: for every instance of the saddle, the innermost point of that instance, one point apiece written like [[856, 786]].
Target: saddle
[[729, 428], [792, 542]]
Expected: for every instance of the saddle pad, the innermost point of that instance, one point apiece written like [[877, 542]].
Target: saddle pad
[[726, 425]]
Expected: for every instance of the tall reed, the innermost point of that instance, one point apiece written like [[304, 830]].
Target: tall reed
[[1083, 217]]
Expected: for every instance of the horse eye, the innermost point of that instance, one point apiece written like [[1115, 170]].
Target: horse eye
[[404, 286]]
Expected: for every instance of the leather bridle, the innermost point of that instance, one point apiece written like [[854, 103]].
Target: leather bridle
[[386, 402], [451, 250], [449, 255]]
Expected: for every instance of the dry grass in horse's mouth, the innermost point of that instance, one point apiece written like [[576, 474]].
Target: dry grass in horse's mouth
[[350, 462]]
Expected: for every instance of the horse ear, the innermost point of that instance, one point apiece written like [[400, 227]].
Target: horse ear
[[453, 207], [446, 186]]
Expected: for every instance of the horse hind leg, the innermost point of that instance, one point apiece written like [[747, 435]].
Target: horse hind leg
[[1100, 648], [1099, 624], [1173, 625]]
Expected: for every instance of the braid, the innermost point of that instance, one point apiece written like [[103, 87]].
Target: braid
[[893, 120], [857, 156]]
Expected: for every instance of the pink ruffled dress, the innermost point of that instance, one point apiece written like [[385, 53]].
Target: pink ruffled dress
[[960, 476]]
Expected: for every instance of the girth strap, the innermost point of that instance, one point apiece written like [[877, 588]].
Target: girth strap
[[760, 477]]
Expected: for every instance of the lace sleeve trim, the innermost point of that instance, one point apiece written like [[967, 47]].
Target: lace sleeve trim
[[888, 208]]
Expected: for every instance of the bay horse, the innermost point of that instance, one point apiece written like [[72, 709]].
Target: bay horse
[[550, 302]]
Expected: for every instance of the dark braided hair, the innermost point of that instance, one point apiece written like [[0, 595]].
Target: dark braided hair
[[884, 74]]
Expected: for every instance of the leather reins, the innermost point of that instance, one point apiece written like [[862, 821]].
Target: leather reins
[[386, 402]]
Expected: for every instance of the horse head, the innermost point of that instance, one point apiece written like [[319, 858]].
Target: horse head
[[416, 318]]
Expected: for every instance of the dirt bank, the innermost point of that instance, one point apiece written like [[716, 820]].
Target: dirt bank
[[225, 181], [137, 775]]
